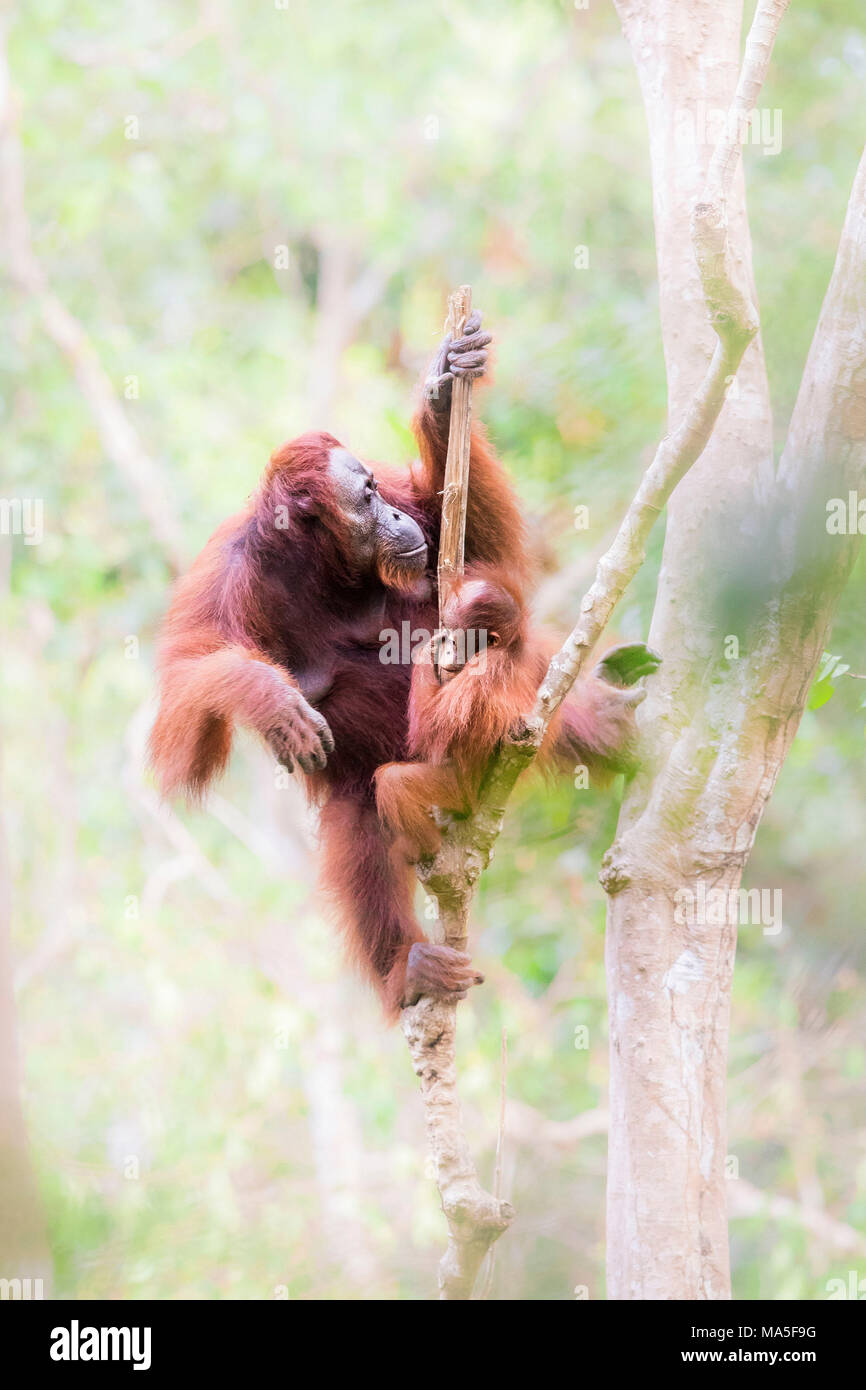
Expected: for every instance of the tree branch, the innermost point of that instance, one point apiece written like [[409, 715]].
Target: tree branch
[[475, 1218]]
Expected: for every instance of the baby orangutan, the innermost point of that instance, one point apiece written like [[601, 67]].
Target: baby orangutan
[[472, 684]]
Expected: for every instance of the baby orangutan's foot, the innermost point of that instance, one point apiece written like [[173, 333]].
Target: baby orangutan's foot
[[439, 971]]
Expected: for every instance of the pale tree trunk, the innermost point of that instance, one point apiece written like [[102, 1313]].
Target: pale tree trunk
[[332, 331], [24, 1254], [746, 555]]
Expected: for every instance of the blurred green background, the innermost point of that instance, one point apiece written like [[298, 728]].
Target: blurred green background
[[255, 214]]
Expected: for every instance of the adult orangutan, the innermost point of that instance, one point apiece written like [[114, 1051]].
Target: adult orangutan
[[279, 626]]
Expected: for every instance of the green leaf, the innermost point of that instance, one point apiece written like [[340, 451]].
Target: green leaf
[[822, 691]]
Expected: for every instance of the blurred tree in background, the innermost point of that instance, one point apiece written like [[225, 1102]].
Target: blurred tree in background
[[254, 216]]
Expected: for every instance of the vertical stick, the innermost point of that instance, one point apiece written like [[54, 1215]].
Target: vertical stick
[[475, 1218], [456, 490]]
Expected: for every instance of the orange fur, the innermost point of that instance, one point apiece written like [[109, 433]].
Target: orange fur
[[279, 603], [455, 727]]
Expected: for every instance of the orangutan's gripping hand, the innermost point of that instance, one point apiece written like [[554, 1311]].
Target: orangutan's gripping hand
[[465, 356]]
